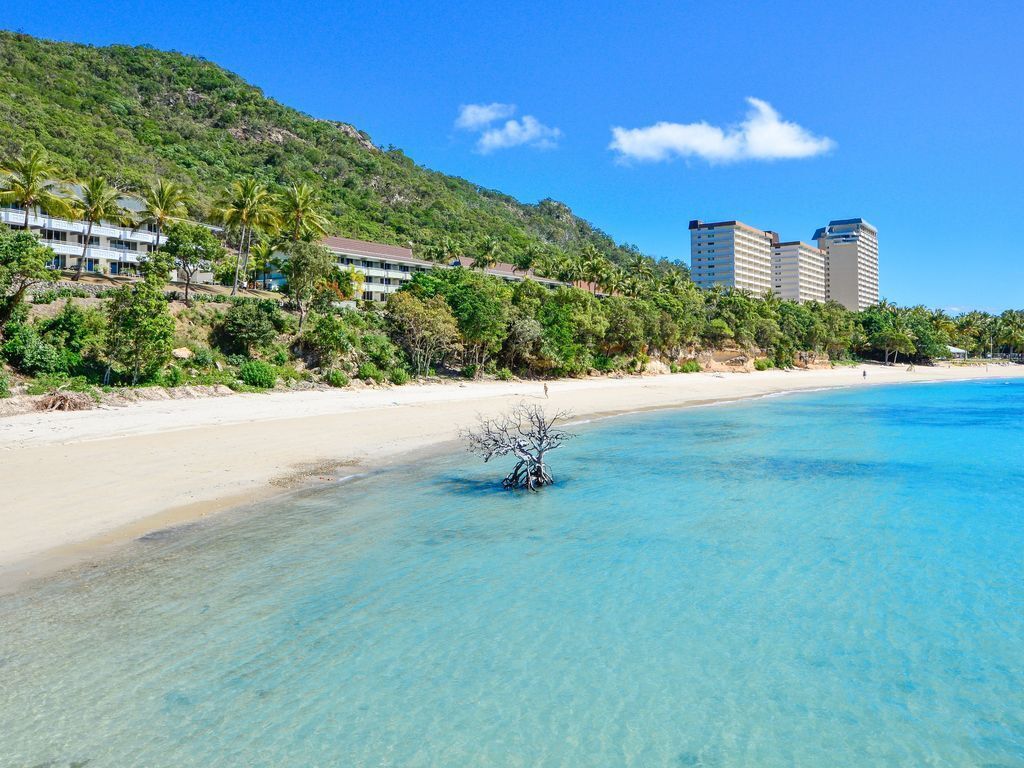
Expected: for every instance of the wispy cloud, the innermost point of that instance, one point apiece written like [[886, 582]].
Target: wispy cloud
[[473, 117], [529, 131], [763, 135], [526, 131]]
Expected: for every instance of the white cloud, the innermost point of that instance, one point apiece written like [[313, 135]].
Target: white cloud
[[529, 131], [474, 117], [763, 135], [526, 131]]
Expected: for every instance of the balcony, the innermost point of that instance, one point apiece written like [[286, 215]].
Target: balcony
[[92, 252], [17, 219]]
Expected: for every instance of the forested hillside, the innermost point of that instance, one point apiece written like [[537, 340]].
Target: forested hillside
[[135, 113]]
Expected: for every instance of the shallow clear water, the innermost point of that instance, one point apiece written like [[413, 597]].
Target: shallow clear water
[[817, 580]]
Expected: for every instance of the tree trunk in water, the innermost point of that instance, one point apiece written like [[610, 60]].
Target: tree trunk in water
[[85, 251]]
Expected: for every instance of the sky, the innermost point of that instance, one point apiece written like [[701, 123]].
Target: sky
[[642, 116]]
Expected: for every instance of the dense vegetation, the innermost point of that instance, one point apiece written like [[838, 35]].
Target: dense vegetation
[[133, 114], [447, 321]]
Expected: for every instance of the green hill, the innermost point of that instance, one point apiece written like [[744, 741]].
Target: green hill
[[133, 113]]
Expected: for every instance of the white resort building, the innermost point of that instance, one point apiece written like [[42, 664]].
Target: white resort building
[[112, 249], [386, 268], [851, 262], [731, 254], [798, 271], [842, 268]]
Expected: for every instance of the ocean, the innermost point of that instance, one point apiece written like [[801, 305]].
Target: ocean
[[827, 579]]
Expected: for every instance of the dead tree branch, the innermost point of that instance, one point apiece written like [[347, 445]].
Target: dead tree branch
[[525, 432]]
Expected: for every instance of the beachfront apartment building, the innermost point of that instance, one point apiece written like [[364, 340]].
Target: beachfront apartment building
[[386, 268], [731, 254], [798, 271], [851, 262], [112, 248]]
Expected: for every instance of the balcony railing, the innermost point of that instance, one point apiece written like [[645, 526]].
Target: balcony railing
[[17, 218]]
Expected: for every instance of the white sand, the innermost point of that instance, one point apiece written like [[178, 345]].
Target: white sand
[[73, 482]]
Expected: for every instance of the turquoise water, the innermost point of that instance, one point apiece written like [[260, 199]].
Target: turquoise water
[[832, 579]]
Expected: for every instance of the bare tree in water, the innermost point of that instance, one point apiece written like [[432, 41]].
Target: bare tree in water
[[525, 432]]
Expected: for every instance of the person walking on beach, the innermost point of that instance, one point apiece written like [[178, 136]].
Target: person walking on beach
[[865, 374], [545, 389]]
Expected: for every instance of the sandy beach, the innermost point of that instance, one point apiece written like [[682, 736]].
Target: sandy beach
[[76, 483]]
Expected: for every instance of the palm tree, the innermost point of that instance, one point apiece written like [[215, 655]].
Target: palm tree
[[527, 258], [246, 205], [28, 182], [162, 203], [594, 267], [301, 213], [673, 281], [640, 268], [98, 201], [488, 252], [263, 251]]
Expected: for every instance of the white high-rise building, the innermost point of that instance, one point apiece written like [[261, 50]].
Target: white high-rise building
[[731, 254], [798, 271], [851, 262]]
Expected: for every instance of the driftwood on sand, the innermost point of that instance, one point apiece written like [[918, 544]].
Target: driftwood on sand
[[62, 400], [525, 432]]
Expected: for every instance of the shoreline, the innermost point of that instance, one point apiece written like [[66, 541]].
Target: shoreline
[[81, 484]]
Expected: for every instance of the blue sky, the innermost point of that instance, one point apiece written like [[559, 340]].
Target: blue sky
[[908, 114]]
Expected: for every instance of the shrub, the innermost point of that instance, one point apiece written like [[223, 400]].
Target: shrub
[[51, 295], [379, 350], [28, 353], [173, 376], [258, 374], [248, 325], [50, 382], [398, 376], [236, 360], [337, 378], [279, 355], [687, 366], [5, 386], [504, 374], [202, 357], [469, 371], [329, 337], [370, 372], [763, 364]]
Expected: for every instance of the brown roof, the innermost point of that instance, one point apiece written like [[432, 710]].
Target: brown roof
[[366, 248]]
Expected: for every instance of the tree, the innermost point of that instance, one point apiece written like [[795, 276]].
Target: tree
[[193, 248], [97, 201], [527, 433], [301, 213], [426, 328], [23, 264], [481, 306], [246, 205], [249, 324], [488, 252], [140, 329], [163, 202], [29, 182], [261, 257], [309, 268]]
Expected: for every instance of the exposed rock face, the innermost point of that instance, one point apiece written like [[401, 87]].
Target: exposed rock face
[[262, 135], [361, 138], [181, 353]]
